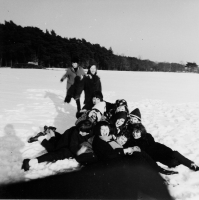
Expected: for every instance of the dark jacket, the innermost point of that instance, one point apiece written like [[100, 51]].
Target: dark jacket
[[155, 150], [104, 151], [63, 147], [50, 145], [91, 85]]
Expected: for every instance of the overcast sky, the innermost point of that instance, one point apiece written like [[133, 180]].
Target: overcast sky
[[158, 30]]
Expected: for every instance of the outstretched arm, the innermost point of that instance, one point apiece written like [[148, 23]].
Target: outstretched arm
[[64, 76]]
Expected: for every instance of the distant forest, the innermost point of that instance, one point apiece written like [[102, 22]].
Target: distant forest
[[22, 45]]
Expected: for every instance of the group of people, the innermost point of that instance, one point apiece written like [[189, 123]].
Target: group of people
[[79, 81], [104, 132]]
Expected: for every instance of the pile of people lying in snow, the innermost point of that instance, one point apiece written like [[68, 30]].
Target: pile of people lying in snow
[[105, 131]]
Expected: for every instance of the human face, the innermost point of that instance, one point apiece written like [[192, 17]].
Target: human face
[[119, 122], [93, 115], [74, 65], [134, 120], [96, 100], [120, 109], [93, 69], [121, 140], [83, 133], [104, 131], [136, 134]]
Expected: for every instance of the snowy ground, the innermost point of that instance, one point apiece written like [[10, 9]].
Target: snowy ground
[[32, 98]]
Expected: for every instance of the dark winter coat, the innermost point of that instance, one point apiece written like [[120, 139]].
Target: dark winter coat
[[63, 147], [88, 157], [50, 145], [155, 150], [104, 151], [92, 84], [75, 82]]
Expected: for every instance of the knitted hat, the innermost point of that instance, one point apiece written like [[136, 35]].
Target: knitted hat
[[122, 108], [121, 102], [120, 115], [136, 113], [101, 106], [98, 94]]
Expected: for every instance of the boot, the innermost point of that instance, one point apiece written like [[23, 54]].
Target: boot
[[35, 138], [166, 172], [25, 165], [194, 167]]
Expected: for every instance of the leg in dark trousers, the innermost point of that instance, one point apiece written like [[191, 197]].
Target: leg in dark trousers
[[54, 156], [144, 157], [67, 99], [78, 105], [180, 159]]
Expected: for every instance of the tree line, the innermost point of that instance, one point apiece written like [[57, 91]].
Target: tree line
[[22, 45]]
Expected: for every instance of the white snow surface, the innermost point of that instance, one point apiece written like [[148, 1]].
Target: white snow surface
[[32, 98]]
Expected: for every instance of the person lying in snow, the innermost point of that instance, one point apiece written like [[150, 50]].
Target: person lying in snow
[[97, 97], [120, 105], [94, 115], [61, 146], [157, 151], [119, 178], [134, 116], [102, 143], [48, 130], [119, 122], [106, 147]]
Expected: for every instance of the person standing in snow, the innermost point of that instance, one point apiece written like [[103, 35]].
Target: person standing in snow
[[75, 82], [92, 83], [157, 151], [61, 146]]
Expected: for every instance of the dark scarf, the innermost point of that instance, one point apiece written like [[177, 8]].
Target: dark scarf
[[75, 69], [94, 77]]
